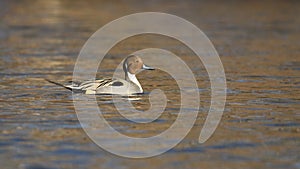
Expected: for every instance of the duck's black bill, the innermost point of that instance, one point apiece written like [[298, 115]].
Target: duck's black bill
[[145, 67]]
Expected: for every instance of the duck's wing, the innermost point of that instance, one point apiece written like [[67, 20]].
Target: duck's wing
[[96, 84]]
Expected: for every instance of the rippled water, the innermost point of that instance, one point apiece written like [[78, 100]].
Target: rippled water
[[258, 44]]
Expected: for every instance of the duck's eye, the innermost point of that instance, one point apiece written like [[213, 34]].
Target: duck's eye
[[137, 61]]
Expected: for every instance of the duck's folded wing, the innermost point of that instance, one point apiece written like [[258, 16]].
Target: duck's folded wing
[[96, 84]]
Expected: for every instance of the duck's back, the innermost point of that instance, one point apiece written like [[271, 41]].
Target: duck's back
[[112, 86]]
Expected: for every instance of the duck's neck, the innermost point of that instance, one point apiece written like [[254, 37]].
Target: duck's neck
[[133, 79]]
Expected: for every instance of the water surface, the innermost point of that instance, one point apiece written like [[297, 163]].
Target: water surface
[[258, 43]]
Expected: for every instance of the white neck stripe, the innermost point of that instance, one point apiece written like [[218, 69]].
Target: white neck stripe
[[133, 79]]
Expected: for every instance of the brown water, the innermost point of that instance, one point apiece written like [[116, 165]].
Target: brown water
[[258, 43]]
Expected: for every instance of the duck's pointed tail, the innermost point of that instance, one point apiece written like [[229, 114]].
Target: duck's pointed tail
[[59, 84]]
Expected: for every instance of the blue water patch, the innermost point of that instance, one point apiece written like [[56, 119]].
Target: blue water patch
[[18, 139], [69, 151], [131, 122], [198, 149], [257, 108], [271, 77], [290, 66], [247, 80], [4, 143], [233, 145], [278, 101], [251, 118], [232, 91], [280, 141], [297, 165], [36, 166], [291, 124], [231, 157]]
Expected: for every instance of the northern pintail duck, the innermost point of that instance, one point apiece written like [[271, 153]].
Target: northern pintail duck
[[132, 65]]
